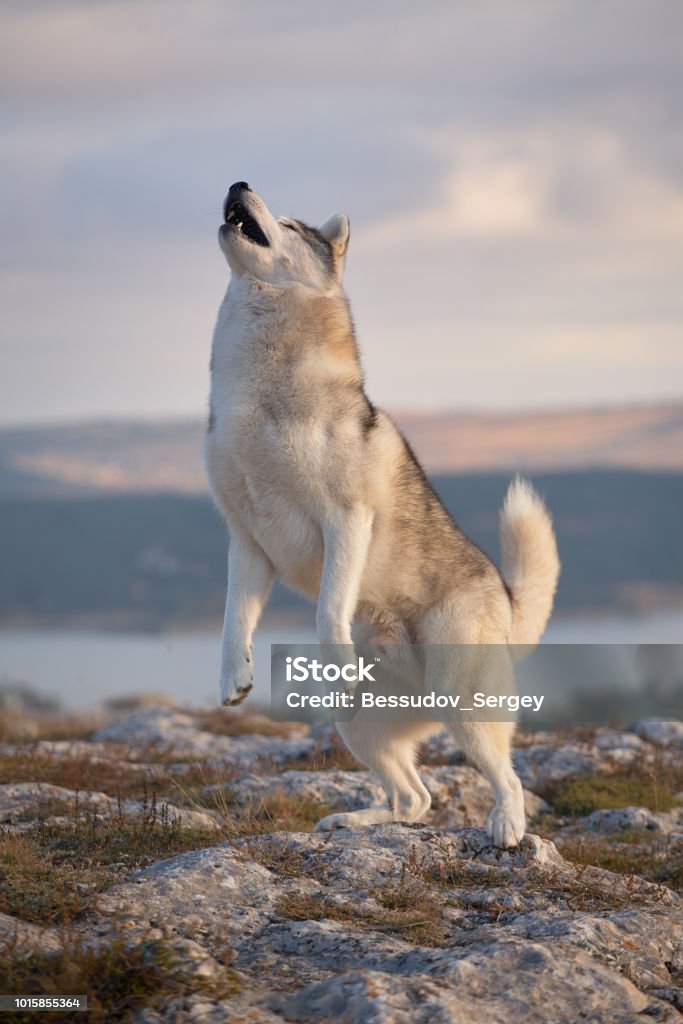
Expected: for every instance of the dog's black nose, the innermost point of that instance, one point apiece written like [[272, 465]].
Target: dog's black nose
[[234, 192]]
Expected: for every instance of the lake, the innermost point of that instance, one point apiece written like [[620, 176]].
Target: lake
[[84, 668]]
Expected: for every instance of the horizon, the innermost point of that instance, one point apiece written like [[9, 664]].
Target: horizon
[[495, 412]]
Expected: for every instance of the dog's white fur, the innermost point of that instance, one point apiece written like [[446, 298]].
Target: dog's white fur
[[319, 489]]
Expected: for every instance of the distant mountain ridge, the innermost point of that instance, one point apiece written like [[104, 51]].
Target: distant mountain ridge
[[166, 455], [158, 561]]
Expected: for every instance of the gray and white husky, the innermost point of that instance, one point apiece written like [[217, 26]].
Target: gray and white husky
[[320, 489]]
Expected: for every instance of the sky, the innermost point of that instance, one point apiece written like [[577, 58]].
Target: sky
[[512, 171]]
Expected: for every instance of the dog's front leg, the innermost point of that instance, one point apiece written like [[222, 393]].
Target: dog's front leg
[[346, 539], [250, 577]]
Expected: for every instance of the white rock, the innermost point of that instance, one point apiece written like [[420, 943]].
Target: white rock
[[537, 765], [465, 796], [636, 819], [31, 937], [170, 731], [461, 795], [21, 797], [497, 981], [660, 731], [340, 790], [614, 740]]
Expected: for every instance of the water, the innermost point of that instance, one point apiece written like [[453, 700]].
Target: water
[[82, 669]]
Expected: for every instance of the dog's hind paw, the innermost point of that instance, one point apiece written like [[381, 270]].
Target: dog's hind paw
[[333, 821], [379, 815], [505, 827]]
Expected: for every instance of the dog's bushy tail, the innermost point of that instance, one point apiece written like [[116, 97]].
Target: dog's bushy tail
[[531, 565]]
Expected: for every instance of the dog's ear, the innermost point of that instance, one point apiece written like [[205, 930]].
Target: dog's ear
[[336, 231]]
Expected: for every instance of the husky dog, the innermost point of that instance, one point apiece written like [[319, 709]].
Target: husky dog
[[320, 489]]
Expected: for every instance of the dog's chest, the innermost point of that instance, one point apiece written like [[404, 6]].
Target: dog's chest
[[261, 411], [266, 452]]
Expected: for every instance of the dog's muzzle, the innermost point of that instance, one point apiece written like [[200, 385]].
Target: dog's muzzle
[[237, 215]]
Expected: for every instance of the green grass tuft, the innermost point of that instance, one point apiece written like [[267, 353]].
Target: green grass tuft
[[577, 797]]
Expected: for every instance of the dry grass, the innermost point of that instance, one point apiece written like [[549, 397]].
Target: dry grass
[[187, 784], [118, 979], [442, 868], [19, 728], [580, 891], [37, 886], [278, 813], [280, 859], [224, 722], [655, 785], [655, 858], [78, 772], [576, 889], [116, 778], [49, 873], [205, 786], [405, 908], [415, 910]]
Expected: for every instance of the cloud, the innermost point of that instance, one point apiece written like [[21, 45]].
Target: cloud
[[552, 181], [512, 173]]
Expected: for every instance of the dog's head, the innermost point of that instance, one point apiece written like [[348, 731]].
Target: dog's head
[[281, 252]]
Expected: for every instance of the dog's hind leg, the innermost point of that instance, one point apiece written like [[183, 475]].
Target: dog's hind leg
[[486, 741], [389, 749], [487, 745], [459, 661]]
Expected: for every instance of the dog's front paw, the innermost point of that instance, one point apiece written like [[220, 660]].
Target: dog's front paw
[[237, 680]]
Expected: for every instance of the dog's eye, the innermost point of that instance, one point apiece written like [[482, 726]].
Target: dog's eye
[[290, 226]]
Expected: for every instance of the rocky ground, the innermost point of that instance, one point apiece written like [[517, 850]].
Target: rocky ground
[[163, 862]]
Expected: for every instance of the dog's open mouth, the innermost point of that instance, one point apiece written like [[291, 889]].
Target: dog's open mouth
[[236, 217]]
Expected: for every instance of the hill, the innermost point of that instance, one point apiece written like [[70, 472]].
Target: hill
[[153, 561]]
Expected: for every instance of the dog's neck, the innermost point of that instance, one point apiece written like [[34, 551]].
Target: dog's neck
[[293, 318]]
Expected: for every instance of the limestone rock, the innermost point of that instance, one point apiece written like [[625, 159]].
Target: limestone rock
[[30, 938], [26, 800], [344, 791], [635, 819], [659, 731], [543, 763], [390, 923], [172, 731], [461, 796], [504, 980]]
